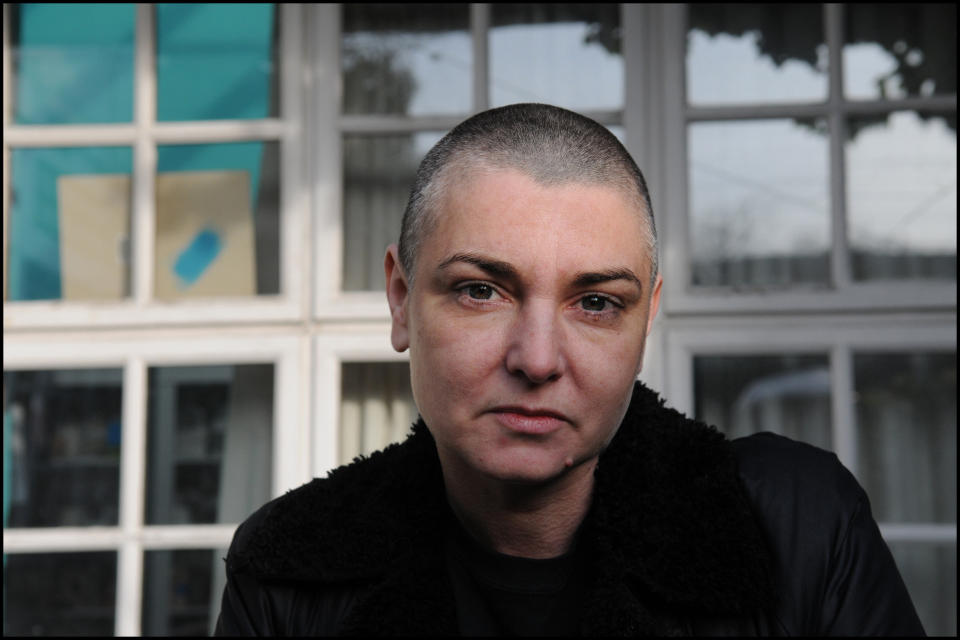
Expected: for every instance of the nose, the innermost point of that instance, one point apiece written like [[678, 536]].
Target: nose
[[535, 349]]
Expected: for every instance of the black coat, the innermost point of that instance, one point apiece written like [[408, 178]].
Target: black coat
[[688, 534]]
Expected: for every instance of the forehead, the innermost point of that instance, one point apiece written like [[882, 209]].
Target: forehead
[[508, 215]]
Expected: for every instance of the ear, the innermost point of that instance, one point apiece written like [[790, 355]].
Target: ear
[[654, 302], [397, 292]]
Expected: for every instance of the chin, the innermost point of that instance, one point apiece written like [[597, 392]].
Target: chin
[[528, 469]]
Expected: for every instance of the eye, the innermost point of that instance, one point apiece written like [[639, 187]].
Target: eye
[[594, 302], [478, 291]]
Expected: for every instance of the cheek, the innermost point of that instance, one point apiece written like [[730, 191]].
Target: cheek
[[605, 371], [449, 362], [607, 356]]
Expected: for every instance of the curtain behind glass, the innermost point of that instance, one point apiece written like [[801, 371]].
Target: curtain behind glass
[[377, 408]]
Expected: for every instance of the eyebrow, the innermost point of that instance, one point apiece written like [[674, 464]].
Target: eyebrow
[[609, 275], [496, 268], [506, 271]]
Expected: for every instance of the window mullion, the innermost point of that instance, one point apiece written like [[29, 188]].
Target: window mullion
[[755, 111], [837, 127], [293, 212], [672, 214], [142, 222], [132, 475], [266, 129], [479, 29], [325, 152], [919, 532], [843, 398]]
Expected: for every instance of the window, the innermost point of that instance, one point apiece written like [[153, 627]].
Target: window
[[808, 251], [134, 460], [881, 397], [410, 75], [153, 214], [820, 158], [154, 163]]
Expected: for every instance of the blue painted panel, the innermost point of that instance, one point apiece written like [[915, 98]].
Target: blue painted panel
[[75, 65]]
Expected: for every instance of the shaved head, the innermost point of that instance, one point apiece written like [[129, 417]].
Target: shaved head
[[552, 146]]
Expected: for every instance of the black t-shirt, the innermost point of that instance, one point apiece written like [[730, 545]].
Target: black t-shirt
[[501, 595]]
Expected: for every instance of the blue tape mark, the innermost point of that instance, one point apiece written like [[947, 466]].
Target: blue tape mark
[[197, 257]]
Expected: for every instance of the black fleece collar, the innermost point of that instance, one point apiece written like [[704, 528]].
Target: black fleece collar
[[670, 534]]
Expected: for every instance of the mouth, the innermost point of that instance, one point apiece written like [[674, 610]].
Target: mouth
[[530, 421]]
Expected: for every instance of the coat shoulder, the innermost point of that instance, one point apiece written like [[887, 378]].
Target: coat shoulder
[[773, 467], [348, 525]]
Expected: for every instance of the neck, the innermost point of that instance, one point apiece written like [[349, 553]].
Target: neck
[[519, 519]]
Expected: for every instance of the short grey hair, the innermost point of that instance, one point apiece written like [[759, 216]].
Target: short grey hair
[[551, 145]]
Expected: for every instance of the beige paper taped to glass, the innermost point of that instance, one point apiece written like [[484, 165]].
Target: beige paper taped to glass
[[94, 216], [204, 235]]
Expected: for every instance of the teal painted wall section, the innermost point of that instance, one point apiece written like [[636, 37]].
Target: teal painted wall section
[[74, 65]]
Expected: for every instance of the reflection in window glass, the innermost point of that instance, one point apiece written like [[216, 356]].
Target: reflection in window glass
[[60, 594], [73, 62], [759, 204], [378, 407], [62, 441], [930, 572], [563, 54], [69, 223], [788, 395], [901, 171], [210, 435], [907, 434], [216, 61], [406, 59], [378, 172], [618, 131], [218, 222], [182, 591], [899, 50], [767, 53]]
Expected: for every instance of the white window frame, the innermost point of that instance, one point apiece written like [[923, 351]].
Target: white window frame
[[331, 303], [142, 136], [845, 294], [336, 346], [838, 337], [133, 353], [893, 316], [313, 327]]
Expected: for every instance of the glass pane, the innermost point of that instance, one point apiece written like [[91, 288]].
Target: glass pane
[[899, 50], [902, 196], [789, 395], [759, 203], [216, 61], [209, 443], [563, 54], [218, 221], [378, 172], [619, 131], [930, 573], [61, 447], [73, 63], [378, 407], [181, 591], [907, 434], [749, 53], [60, 594], [69, 224], [406, 59]]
